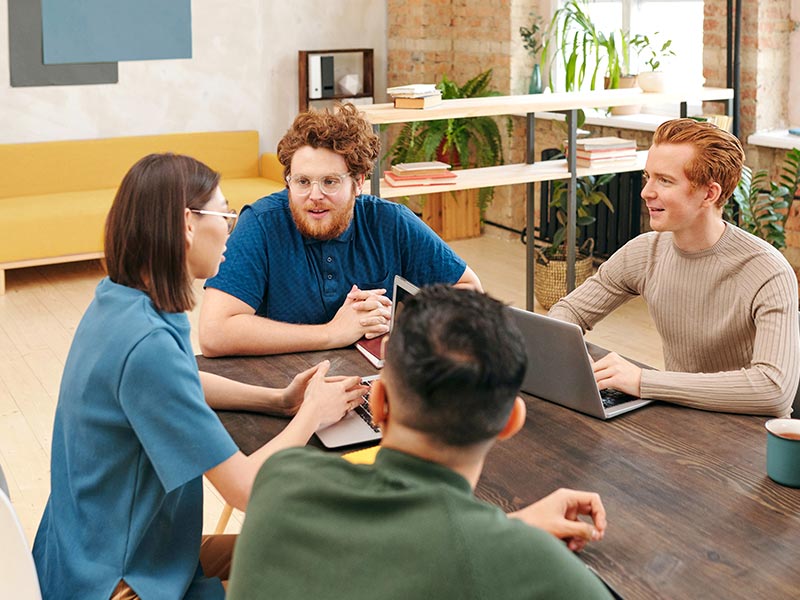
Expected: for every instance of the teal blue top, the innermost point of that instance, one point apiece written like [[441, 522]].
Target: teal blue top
[[320, 527], [132, 438]]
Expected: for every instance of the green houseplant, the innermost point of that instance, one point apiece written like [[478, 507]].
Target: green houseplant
[[532, 42], [463, 142], [763, 205], [550, 268]]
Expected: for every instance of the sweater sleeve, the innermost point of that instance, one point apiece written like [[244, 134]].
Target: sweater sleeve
[[617, 280], [768, 384]]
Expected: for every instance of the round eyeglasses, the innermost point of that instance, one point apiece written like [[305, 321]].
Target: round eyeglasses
[[328, 184], [230, 217]]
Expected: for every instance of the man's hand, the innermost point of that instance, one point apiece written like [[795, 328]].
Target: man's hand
[[327, 399], [613, 371], [558, 514], [365, 313]]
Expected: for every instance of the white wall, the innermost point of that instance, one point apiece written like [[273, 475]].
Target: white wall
[[242, 75]]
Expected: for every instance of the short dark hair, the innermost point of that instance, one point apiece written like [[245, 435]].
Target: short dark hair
[[456, 359], [144, 236], [342, 130]]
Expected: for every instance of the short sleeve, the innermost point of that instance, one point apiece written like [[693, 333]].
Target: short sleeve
[[245, 271], [161, 396], [426, 259]]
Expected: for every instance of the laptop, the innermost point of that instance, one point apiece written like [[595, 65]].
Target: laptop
[[560, 368], [356, 426]]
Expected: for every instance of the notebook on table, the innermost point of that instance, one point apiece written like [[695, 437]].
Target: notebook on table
[[560, 368], [356, 427]]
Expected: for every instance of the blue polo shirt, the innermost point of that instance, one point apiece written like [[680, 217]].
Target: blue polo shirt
[[132, 437], [290, 278]]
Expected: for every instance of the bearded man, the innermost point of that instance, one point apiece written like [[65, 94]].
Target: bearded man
[[311, 267]]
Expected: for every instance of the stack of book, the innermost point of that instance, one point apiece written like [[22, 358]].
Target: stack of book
[[593, 152], [420, 173], [418, 95]]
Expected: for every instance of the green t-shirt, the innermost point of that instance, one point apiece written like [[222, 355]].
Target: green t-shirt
[[320, 527]]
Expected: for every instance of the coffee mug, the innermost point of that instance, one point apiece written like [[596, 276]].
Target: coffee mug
[[783, 451]]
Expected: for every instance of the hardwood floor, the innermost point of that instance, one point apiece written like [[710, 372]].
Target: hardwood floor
[[41, 310]]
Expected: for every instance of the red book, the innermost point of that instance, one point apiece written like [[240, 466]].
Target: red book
[[406, 180], [372, 350]]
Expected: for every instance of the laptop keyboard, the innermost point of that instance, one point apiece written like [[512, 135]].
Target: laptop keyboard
[[362, 410], [612, 397]]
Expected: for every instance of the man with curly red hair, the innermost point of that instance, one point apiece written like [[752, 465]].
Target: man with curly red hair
[[311, 267]]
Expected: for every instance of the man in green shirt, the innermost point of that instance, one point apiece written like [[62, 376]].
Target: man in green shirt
[[409, 526]]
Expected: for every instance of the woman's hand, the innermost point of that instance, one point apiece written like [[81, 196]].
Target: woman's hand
[[327, 399]]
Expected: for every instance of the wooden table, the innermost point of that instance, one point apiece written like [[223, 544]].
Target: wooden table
[[691, 511]]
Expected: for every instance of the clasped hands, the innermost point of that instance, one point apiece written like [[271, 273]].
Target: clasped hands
[[365, 313]]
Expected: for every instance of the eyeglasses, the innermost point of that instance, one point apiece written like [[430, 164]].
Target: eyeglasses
[[328, 184], [230, 216]]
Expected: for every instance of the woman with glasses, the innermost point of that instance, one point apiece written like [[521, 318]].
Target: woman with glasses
[[134, 430]]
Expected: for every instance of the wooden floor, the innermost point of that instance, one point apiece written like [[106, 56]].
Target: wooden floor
[[42, 308]]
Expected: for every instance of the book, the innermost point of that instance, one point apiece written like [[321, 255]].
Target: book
[[600, 154], [413, 90], [430, 167], [372, 350], [604, 143], [418, 101], [722, 121], [395, 181], [595, 162]]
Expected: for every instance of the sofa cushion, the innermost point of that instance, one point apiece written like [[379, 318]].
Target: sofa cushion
[[247, 190], [35, 227], [70, 166]]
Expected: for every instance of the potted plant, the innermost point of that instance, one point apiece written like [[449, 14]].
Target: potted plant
[[763, 204], [532, 42], [572, 35], [617, 47], [550, 268], [653, 80], [463, 142]]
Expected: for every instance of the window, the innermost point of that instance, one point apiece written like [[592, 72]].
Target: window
[[678, 20]]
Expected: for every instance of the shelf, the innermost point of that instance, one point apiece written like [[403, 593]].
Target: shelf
[[512, 174], [384, 114], [364, 68]]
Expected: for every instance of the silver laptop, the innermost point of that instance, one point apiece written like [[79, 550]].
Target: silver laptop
[[560, 368], [356, 426]]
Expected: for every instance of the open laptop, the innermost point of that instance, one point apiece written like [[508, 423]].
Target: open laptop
[[560, 368], [356, 426]]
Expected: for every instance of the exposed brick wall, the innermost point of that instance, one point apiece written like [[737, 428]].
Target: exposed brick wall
[[460, 38]]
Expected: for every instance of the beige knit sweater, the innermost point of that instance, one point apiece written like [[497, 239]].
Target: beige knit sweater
[[727, 317]]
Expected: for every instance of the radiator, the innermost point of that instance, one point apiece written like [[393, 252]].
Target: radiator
[[611, 230]]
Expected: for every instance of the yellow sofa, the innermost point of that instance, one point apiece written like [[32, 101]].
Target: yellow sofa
[[54, 196]]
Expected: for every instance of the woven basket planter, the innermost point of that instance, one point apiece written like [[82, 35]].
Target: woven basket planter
[[550, 274]]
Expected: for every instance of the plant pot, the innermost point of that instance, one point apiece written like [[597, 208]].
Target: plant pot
[[653, 81], [550, 274], [626, 82], [453, 215]]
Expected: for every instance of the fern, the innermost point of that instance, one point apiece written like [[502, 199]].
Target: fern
[[476, 141]]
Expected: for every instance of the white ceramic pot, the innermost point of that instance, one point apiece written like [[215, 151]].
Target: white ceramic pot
[[653, 81]]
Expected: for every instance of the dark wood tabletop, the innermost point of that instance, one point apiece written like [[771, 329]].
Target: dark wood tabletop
[[692, 513]]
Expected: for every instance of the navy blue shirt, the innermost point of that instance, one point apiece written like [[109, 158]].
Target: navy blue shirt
[[290, 278], [132, 438]]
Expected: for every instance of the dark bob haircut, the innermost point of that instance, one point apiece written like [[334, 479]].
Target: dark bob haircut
[[145, 241]]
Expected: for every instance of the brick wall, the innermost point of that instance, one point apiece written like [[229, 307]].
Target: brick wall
[[460, 38]]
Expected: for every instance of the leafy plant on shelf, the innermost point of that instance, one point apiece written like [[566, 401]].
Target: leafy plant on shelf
[[465, 142], [763, 205], [588, 193], [532, 36]]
